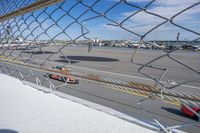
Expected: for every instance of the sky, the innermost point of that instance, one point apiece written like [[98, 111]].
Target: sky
[[143, 22], [102, 27]]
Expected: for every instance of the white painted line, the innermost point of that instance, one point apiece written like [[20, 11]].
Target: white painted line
[[91, 69], [119, 74], [188, 86], [101, 71]]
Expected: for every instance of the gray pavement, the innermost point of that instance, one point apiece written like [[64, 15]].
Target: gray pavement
[[118, 61], [117, 65]]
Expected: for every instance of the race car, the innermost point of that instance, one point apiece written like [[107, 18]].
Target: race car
[[69, 79], [61, 68], [190, 110]]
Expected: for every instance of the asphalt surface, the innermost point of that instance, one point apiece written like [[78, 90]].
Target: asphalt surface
[[118, 61], [168, 114]]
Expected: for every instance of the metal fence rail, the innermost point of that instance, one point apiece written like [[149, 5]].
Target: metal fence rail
[[34, 34]]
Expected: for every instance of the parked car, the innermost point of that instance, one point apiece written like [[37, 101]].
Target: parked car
[[195, 48]]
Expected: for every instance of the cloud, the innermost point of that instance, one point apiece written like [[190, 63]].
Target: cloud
[[142, 22]]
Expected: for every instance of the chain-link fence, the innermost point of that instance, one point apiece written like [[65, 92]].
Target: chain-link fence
[[52, 43]]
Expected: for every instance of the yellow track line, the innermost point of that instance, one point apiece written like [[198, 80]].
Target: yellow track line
[[137, 94]]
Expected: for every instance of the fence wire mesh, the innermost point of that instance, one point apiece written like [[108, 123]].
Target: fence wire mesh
[[47, 39]]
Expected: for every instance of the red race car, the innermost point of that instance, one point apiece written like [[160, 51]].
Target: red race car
[[62, 78], [191, 111]]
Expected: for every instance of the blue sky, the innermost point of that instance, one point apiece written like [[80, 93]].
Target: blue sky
[[99, 27]]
